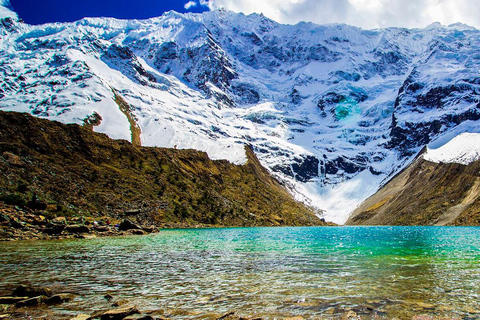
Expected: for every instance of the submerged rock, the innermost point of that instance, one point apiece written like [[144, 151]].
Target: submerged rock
[[31, 302], [60, 298], [32, 291], [108, 297], [119, 313]]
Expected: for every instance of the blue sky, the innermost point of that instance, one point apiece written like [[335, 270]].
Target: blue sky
[[42, 11], [367, 14]]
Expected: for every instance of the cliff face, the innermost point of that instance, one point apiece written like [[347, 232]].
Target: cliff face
[[425, 193], [76, 172]]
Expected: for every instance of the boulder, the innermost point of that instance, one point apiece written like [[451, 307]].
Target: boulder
[[31, 302], [37, 220], [149, 229], [119, 313], [59, 298], [126, 224], [59, 220], [75, 228], [102, 228], [52, 229], [32, 291]]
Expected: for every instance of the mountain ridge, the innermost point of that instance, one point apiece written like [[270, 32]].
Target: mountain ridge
[[74, 172], [332, 111]]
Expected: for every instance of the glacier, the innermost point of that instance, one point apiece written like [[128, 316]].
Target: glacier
[[332, 111]]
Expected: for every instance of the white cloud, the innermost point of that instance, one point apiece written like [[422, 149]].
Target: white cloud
[[367, 14], [190, 4]]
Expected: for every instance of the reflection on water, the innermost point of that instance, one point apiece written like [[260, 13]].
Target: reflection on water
[[271, 272]]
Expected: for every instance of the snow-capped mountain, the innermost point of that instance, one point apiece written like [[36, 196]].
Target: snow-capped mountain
[[332, 110]]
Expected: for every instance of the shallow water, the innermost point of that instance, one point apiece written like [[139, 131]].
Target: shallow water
[[271, 272]]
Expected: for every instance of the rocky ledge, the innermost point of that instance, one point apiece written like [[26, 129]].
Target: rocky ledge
[[18, 223]]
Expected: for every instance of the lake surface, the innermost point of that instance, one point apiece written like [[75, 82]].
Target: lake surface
[[381, 272]]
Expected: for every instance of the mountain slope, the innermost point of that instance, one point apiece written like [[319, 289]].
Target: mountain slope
[[441, 187], [77, 172], [332, 111]]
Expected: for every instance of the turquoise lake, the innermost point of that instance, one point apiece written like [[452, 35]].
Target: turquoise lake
[[379, 272]]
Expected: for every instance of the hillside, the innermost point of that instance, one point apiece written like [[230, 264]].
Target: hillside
[[425, 193], [76, 172]]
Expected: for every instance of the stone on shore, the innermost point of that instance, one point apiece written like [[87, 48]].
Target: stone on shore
[[137, 232], [32, 291], [127, 224], [59, 220], [102, 228], [75, 228], [119, 313], [149, 229], [52, 229]]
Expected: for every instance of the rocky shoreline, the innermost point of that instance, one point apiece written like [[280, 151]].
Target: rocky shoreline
[[18, 223], [40, 302]]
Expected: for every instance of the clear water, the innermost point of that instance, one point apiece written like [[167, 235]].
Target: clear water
[[381, 272]]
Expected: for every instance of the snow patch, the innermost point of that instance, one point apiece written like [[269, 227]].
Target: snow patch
[[338, 201], [463, 149]]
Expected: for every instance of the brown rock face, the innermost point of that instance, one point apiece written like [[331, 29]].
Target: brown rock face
[[425, 193]]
